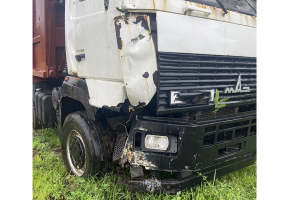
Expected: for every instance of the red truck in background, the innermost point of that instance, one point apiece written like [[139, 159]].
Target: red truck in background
[[48, 40]]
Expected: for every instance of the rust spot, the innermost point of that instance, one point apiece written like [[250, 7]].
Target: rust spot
[[199, 5], [121, 17], [146, 75], [165, 5], [119, 39], [155, 78], [154, 4], [118, 17], [66, 79], [144, 23], [228, 14], [75, 73], [52, 73]]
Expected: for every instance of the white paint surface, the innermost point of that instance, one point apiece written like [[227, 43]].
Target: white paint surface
[[185, 34], [105, 93], [137, 56], [180, 6], [90, 30]]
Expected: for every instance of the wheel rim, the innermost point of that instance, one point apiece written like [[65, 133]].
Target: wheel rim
[[76, 153]]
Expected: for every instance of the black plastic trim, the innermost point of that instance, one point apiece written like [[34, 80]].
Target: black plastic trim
[[76, 88], [189, 74], [229, 5]]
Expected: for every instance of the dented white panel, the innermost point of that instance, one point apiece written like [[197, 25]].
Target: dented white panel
[[90, 30], [105, 93], [181, 6], [185, 34], [138, 58]]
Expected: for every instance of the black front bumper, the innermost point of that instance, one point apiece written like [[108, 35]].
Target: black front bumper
[[221, 145], [174, 185]]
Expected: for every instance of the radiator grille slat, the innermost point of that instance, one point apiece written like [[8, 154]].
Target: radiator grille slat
[[191, 73], [238, 131]]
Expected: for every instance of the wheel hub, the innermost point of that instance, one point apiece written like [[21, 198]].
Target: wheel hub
[[77, 152]]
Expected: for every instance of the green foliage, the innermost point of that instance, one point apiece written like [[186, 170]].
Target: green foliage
[[52, 181], [123, 11], [141, 36], [218, 102]]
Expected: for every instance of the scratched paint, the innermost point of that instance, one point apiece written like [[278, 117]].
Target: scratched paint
[[137, 57]]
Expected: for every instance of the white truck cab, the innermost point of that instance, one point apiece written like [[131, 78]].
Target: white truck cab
[[158, 85], [176, 26]]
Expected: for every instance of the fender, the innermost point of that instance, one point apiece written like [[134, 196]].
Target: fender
[[77, 89]]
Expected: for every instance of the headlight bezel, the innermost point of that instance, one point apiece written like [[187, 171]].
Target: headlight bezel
[[152, 142], [139, 142]]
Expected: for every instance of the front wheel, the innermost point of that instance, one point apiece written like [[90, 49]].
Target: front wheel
[[81, 147]]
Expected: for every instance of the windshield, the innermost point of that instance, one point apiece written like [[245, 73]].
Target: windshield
[[242, 6]]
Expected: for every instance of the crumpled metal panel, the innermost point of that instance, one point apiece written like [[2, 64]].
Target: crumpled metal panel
[[180, 6], [137, 58]]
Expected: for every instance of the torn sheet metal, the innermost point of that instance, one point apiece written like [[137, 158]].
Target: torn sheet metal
[[181, 6], [137, 57], [135, 158]]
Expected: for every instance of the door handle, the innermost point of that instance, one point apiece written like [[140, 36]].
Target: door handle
[[78, 57]]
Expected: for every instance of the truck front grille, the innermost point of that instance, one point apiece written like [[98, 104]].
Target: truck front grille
[[193, 75], [227, 132]]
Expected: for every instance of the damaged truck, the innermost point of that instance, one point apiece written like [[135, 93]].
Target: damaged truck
[[162, 91]]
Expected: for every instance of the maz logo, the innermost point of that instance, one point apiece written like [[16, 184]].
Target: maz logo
[[238, 87]]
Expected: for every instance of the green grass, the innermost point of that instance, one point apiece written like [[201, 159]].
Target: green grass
[[52, 181]]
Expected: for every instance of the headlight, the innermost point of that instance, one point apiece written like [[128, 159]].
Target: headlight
[[156, 142]]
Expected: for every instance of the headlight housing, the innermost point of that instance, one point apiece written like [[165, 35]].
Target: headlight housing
[[156, 142]]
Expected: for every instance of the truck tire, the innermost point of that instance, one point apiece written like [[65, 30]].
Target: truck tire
[[81, 147]]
